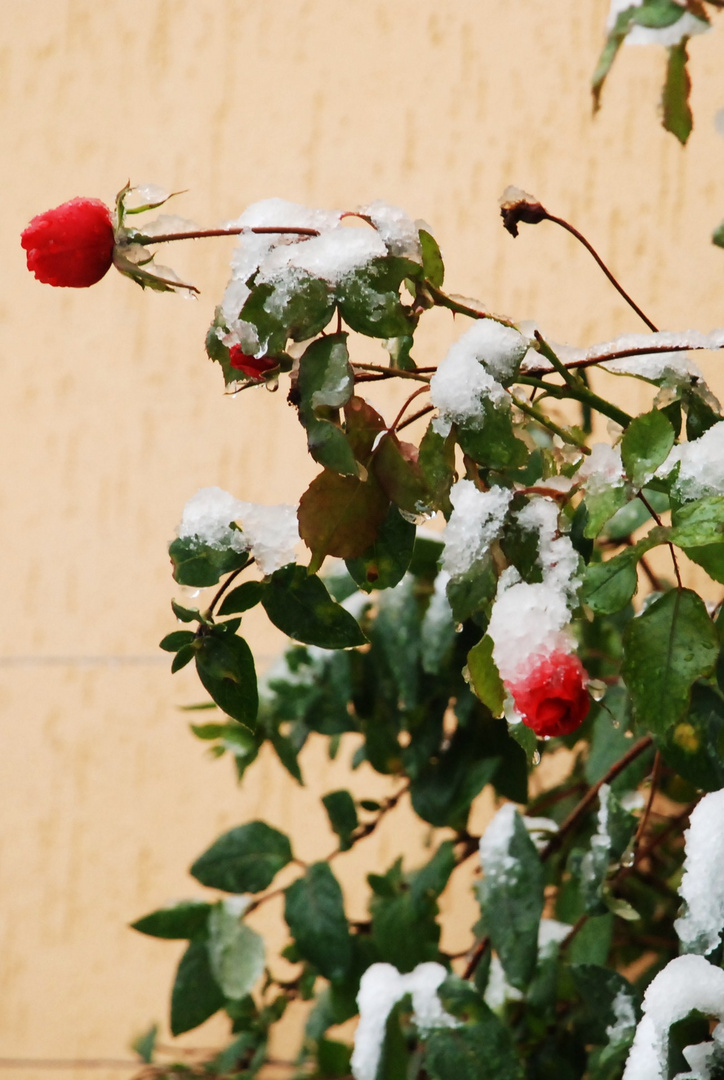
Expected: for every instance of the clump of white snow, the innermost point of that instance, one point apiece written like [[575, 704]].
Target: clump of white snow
[[624, 1018], [701, 469], [684, 27], [381, 987], [602, 469], [495, 843], [474, 524], [702, 886], [686, 983], [270, 533], [556, 555], [280, 259], [473, 370], [399, 232]]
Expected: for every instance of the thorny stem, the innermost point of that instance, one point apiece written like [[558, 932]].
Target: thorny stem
[[415, 416], [563, 392], [360, 834], [543, 420], [201, 234], [441, 299], [657, 519], [225, 585], [478, 953], [401, 413], [655, 774], [576, 389], [391, 372], [592, 251], [556, 841]]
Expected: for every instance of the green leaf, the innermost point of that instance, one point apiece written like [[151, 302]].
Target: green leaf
[[405, 933], [609, 586], [185, 614], [397, 469], [314, 911], [613, 43], [145, 1045], [324, 384], [198, 565], [385, 562], [369, 297], [694, 747], [484, 676], [432, 263], [430, 880], [479, 1051], [333, 1058], [288, 754], [236, 952], [196, 995], [634, 514], [601, 507], [242, 598], [666, 649], [677, 116], [442, 792], [225, 667], [175, 641], [511, 895], [299, 605], [717, 236], [699, 531], [296, 305], [342, 814], [700, 416], [646, 444], [599, 987], [245, 859], [340, 515], [491, 441], [183, 920], [436, 459]]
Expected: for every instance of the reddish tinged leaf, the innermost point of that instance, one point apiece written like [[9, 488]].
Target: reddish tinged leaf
[[340, 515], [397, 468], [364, 425]]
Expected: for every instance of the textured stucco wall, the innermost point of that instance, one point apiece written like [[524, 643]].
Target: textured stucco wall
[[112, 417]]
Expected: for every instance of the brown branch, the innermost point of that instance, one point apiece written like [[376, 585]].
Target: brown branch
[[640, 495], [556, 841], [592, 251]]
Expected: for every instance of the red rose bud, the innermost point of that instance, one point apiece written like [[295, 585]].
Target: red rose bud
[[72, 245], [255, 367], [552, 698]]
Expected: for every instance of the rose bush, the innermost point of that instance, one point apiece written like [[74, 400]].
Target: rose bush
[[407, 652]]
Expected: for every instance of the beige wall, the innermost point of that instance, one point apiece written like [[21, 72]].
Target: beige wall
[[112, 417]]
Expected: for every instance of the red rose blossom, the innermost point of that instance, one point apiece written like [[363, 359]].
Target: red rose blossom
[[253, 366], [71, 245], [552, 698]]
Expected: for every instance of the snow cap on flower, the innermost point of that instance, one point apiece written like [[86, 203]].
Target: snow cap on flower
[[72, 245]]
